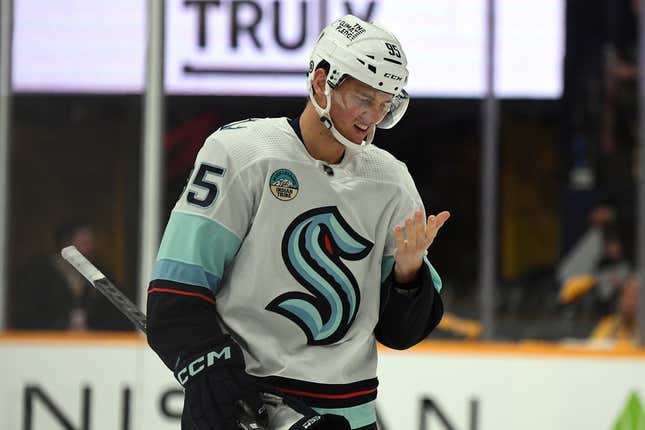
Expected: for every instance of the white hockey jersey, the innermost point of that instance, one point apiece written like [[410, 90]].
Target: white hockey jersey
[[294, 251]]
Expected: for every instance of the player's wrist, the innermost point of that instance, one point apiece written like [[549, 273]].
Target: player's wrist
[[406, 274]]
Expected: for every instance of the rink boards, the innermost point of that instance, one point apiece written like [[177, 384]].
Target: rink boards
[[117, 383]]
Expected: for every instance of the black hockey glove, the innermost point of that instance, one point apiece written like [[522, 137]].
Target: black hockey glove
[[216, 387], [288, 413]]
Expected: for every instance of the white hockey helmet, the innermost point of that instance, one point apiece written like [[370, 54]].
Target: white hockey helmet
[[368, 53]]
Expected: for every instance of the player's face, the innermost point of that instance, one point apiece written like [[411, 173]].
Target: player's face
[[356, 108]]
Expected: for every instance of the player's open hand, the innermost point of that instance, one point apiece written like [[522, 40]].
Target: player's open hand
[[409, 252]]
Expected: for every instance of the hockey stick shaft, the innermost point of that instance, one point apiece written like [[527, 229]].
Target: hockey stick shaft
[[103, 284], [245, 421]]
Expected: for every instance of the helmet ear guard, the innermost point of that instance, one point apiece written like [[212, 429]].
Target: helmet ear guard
[[366, 52]]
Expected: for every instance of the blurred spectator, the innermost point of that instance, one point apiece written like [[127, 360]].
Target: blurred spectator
[[49, 294], [595, 293], [621, 75], [617, 166], [616, 197], [621, 327], [612, 271]]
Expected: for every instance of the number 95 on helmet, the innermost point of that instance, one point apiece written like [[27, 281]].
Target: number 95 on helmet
[[367, 52]]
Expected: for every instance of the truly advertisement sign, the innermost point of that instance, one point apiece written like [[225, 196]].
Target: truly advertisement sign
[[249, 47], [261, 47]]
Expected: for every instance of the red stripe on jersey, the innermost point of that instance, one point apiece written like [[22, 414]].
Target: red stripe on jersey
[[181, 293], [328, 396], [328, 245]]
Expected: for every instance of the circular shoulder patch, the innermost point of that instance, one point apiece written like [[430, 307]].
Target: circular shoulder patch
[[284, 184]]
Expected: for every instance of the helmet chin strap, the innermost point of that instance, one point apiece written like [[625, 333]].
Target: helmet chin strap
[[351, 148]]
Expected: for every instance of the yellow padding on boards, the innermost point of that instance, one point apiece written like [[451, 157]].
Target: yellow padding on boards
[[470, 329], [528, 348]]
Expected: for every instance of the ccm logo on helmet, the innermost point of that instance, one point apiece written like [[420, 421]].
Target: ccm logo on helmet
[[393, 77], [201, 363]]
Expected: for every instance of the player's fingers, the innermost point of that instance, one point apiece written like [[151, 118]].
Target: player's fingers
[[430, 229], [398, 236], [431, 221], [442, 218], [419, 226], [439, 220], [410, 233], [435, 223]]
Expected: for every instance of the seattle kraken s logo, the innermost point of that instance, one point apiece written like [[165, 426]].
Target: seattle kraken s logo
[[312, 248]]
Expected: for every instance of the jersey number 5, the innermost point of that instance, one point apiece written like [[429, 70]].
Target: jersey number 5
[[204, 182]]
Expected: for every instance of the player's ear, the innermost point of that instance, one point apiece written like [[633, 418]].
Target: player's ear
[[320, 77], [318, 84]]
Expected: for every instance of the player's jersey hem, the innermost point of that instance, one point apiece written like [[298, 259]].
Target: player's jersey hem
[[327, 395]]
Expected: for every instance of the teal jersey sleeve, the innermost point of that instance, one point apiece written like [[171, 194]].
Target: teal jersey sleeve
[[195, 250], [212, 215]]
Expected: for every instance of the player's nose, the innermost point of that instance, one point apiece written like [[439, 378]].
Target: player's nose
[[371, 116]]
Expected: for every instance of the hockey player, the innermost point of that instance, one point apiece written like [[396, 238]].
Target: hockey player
[[295, 246]]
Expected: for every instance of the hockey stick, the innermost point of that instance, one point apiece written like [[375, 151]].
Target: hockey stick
[[103, 284], [246, 421]]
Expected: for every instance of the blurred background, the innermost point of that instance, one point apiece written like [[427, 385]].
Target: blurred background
[[565, 118], [535, 154]]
